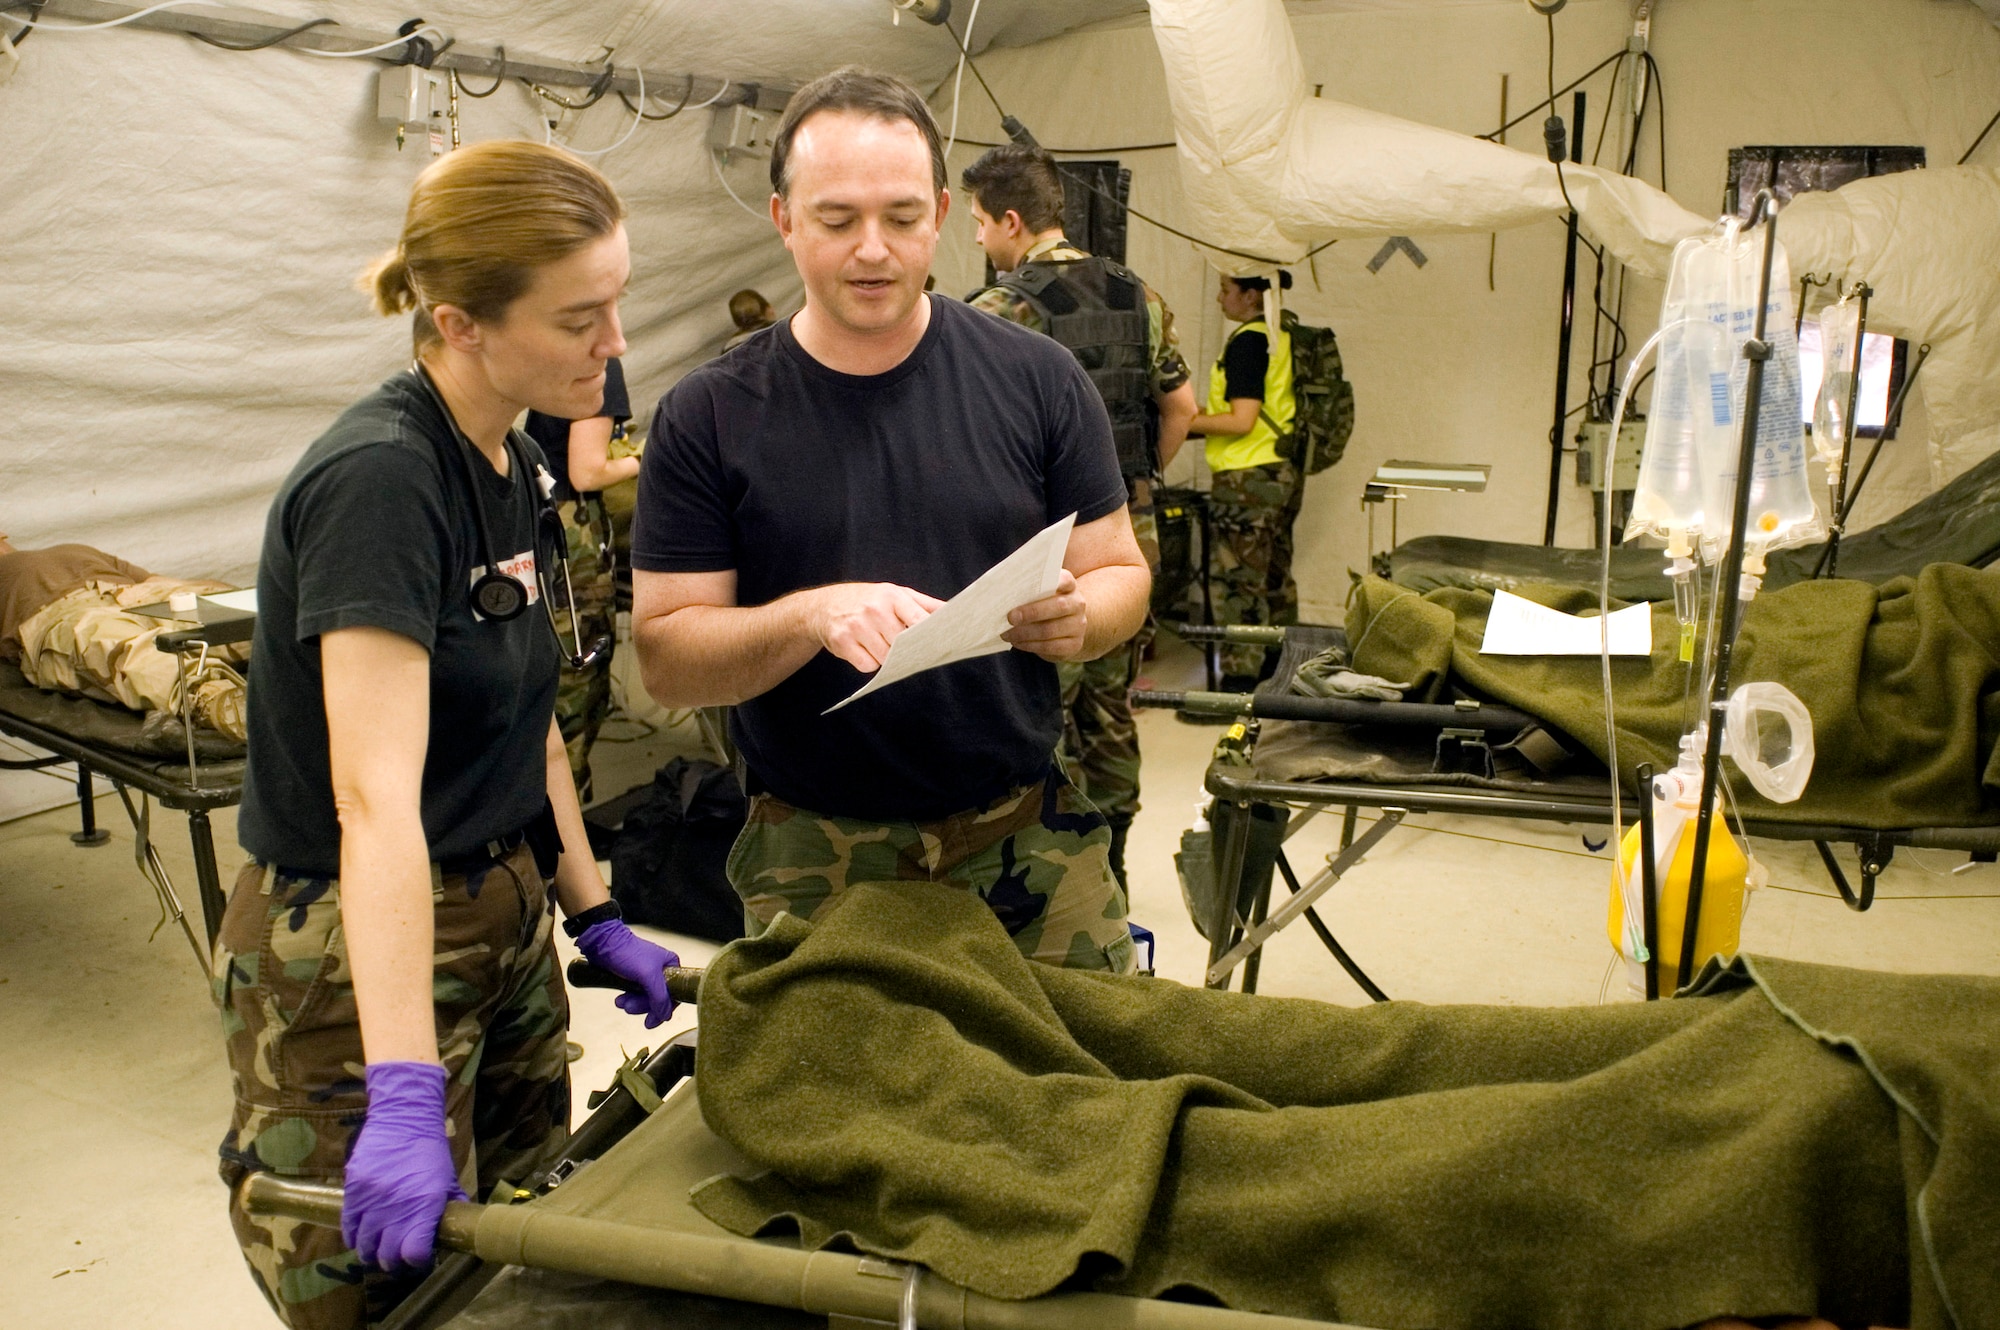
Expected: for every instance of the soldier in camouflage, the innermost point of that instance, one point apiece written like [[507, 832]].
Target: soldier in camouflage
[[1255, 486], [1017, 201]]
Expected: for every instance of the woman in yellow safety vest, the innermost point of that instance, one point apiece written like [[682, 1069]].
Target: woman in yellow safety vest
[[1248, 422]]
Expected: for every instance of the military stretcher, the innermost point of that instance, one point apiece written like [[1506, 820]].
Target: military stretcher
[[1462, 756], [561, 1223]]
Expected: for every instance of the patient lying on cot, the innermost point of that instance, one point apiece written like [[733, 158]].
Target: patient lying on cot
[[66, 620]]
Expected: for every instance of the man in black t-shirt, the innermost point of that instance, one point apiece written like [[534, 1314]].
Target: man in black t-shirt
[[807, 497], [580, 461]]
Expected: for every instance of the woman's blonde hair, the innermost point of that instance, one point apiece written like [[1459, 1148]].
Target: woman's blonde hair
[[481, 220]]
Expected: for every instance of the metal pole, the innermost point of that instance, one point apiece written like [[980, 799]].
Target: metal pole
[[1649, 882], [1756, 351], [1831, 559], [1557, 430]]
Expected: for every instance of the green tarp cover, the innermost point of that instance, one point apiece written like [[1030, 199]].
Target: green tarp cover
[[1800, 1139], [1902, 680]]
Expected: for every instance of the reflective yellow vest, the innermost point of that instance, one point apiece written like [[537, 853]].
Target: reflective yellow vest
[[1259, 447]]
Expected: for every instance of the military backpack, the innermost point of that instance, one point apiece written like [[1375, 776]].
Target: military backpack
[[1323, 414]]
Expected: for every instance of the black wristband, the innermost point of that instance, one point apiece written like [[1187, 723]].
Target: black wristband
[[577, 924]]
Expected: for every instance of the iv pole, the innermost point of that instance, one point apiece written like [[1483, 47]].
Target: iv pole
[[1729, 613]]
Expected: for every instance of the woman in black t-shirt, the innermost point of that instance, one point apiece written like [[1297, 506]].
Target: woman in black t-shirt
[[394, 1010]]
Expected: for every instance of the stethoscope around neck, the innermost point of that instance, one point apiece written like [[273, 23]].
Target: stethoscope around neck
[[499, 595]]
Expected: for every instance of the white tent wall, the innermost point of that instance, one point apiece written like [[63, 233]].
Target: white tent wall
[[1444, 368], [184, 226]]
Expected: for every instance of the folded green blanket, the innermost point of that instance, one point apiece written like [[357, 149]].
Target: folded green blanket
[[1797, 1140], [1902, 680]]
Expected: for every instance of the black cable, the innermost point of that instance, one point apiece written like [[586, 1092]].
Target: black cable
[[267, 42], [35, 8], [1610, 101], [1981, 139], [1561, 184], [498, 79], [1591, 72], [970, 64], [643, 114], [1660, 89], [1080, 152]]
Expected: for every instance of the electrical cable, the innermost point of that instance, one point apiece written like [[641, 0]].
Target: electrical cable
[[500, 53], [1574, 83], [685, 94], [715, 160], [1079, 152], [1659, 86], [1981, 139], [267, 42], [35, 8], [958, 82], [726, 86], [629, 129], [45, 26], [404, 40], [1561, 184], [598, 88], [965, 55]]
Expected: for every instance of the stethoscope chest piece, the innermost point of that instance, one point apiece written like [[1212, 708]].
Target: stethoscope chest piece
[[499, 596]]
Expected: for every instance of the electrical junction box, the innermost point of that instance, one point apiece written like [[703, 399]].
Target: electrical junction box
[[741, 131], [1594, 456], [409, 95]]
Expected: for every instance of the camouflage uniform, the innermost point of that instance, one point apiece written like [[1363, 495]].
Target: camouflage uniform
[[89, 641], [294, 1045], [1250, 515], [583, 697], [1037, 856], [1100, 737]]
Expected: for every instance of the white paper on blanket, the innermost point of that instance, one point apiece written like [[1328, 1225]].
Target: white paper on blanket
[[970, 623], [1518, 627]]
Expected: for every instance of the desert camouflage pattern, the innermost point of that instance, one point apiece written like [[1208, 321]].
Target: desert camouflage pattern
[[1036, 856], [89, 642], [1250, 516], [294, 1045]]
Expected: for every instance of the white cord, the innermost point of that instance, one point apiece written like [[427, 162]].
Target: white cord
[[726, 86], [99, 27], [715, 160], [638, 114], [367, 50], [958, 80]]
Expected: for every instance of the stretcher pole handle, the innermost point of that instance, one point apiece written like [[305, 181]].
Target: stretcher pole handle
[[1241, 634], [1339, 710], [682, 981], [320, 1203]]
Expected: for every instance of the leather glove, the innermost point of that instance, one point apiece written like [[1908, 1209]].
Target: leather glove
[[618, 949], [399, 1173]]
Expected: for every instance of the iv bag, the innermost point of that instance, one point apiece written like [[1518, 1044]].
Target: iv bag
[[1668, 496], [1839, 331], [1723, 281], [1768, 733]]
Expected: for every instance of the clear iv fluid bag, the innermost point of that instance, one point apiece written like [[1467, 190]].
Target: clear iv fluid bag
[[1723, 283], [1669, 493], [1839, 331]]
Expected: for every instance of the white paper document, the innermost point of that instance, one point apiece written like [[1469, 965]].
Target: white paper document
[[1518, 627], [246, 599], [970, 623]]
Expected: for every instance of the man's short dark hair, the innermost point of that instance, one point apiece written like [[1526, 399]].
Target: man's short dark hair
[[852, 88], [1018, 179]]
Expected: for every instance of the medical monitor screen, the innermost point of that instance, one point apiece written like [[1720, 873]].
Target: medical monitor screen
[[1881, 375]]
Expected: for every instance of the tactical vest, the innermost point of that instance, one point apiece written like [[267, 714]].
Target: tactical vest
[[1097, 309]]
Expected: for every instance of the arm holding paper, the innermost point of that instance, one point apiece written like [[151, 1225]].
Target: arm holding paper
[[1100, 601]]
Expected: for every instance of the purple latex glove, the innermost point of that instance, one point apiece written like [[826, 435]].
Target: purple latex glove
[[399, 1173], [618, 949]]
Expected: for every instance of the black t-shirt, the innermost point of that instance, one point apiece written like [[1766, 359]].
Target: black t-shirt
[[795, 475], [375, 527], [1246, 360], [552, 432]]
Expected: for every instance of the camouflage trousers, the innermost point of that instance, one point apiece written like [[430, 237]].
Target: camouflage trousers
[[89, 641], [1250, 516], [583, 697], [1284, 589], [1100, 742], [1036, 856], [294, 1044]]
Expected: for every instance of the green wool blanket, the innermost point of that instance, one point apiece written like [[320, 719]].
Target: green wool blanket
[[1796, 1140], [1902, 680]]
